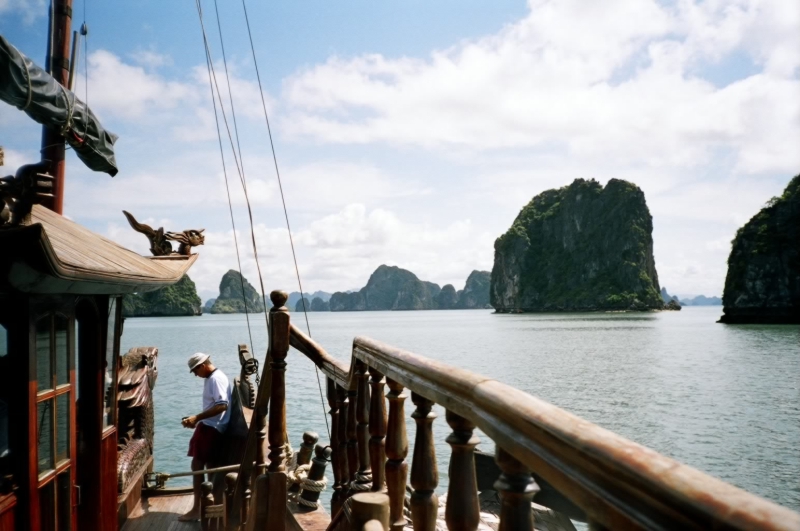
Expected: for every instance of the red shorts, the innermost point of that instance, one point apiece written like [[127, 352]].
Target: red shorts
[[201, 447]]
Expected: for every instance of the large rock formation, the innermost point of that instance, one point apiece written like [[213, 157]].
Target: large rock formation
[[389, 288], [763, 281], [230, 298], [476, 291], [447, 299], [179, 299], [583, 247]]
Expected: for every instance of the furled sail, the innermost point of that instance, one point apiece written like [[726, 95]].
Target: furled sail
[[32, 90]]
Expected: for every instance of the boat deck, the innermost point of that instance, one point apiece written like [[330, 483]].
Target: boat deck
[[160, 513]]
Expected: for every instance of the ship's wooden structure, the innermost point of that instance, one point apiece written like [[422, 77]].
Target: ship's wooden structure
[[76, 418]]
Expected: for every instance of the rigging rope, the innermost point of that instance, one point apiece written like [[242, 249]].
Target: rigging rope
[[210, 65], [283, 202], [227, 188]]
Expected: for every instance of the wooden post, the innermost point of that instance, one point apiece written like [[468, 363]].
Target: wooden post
[[334, 442], [367, 507], [246, 496], [340, 493], [352, 438], [364, 477], [516, 488], [377, 430], [396, 452], [206, 500], [230, 489], [276, 471], [321, 455], [424, 473], [279, 348], [463, 507], [310, 438]]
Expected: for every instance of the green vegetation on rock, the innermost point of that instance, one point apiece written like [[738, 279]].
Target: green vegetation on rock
[[178, 299], [230, 298], [763, 280], [582, 247]]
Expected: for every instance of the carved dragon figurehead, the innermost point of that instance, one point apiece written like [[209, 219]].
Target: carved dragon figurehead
[[160, 241], [187, 239]]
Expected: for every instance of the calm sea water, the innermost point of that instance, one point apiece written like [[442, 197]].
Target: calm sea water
[[723, 399]]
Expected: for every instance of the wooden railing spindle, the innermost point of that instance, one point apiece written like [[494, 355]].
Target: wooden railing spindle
[[516, 488], [340, 492], [462, 512], [424, 472], [334, 442], [352, 438], [363, 479], [396, 452], [230, 488], [377, 430]]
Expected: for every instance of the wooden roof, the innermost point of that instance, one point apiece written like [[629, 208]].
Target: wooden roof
[[49, 253]]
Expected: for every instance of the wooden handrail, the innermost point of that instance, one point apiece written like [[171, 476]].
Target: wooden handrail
[[618, 483]]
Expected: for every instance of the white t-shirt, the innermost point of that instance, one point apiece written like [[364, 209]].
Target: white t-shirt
[[217, 390]]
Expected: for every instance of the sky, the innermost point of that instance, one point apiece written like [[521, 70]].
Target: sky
[[411, 133]]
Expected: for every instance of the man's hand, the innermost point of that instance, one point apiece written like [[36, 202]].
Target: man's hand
[[189, 422]]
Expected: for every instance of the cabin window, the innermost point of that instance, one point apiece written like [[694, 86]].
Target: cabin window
[[54, 351], [110, 364], [4, 431]]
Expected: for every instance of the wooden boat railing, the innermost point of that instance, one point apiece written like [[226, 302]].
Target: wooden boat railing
[[618, 484]]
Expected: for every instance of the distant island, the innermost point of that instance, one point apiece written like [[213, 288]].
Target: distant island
[[583, 247], [393, 288], [763, 280], [178, 299], [699, 300], [230, 298]]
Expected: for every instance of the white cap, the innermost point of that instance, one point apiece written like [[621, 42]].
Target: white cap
[[197, 359]]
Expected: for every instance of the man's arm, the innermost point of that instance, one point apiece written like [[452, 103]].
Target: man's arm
[[214, 410]]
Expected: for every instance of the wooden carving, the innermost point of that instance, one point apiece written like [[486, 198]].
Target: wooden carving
[[187, 239], [31, 185], [159, 245], [160, 241]]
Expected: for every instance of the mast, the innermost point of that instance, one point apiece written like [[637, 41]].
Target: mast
[[57, 64]]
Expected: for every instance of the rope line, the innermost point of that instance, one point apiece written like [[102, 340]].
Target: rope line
[[283, 202], [227, 188], [237, 162]]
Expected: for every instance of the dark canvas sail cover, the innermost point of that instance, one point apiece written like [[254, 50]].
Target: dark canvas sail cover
[[32, 90]]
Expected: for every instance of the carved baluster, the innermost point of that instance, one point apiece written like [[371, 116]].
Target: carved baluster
[[516, 488], [352, 438], [334, 442], [230, 488], [377, 430], [279, 348], [463, 508], [424, 474], [364, 477], [206, 500], [396, 452], [340, 493]]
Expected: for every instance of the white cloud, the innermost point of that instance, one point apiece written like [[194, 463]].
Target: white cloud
[[339, 251], [554, 77], [30, 10]]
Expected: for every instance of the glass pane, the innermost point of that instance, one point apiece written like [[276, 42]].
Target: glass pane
[[44, 376], [3, 429], [45, 434], [3, 341], [63, 485], [110, 366], [47, 501], [62, 427], [76, 345], [62, 353]]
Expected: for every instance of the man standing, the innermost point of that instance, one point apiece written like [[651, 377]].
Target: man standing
[[209, 424]]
